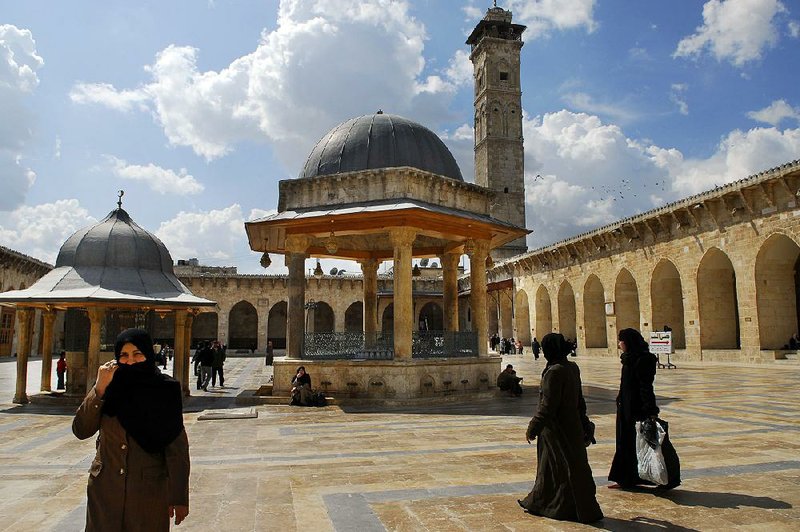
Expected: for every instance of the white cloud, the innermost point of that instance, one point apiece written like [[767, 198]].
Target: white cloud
[[40, 230], [294, 86], [775, 113], [161, 180], [544, 16], [794, 29], [737, 31], [581, 101], [677, 96], [106, 94], [739, 154], [19, 62], [459, 69]]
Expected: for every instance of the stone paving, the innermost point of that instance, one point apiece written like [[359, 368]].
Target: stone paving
[[438, 467]]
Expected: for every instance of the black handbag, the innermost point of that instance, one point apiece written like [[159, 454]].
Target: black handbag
[[671, 459]]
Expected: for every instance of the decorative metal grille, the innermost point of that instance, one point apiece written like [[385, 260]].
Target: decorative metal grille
[[444, 344], [347, 346]]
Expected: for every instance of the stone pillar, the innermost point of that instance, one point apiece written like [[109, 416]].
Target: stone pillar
[[450, 297], [187, 342], [180, 357], [47, 349], [296, 246], [402, 238], [477, 299], [96, 316], [369, 269], [23, 351]]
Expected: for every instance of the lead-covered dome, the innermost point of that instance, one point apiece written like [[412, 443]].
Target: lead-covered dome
[[115, 242], [380, 141]]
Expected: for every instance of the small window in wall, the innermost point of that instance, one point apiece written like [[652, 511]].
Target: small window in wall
[[505, 190], [503, 76]]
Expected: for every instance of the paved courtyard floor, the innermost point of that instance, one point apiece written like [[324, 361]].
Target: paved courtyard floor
[[446, 467]]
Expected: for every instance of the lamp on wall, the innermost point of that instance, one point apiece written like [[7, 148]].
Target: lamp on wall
[[265, 260], [330, 243]]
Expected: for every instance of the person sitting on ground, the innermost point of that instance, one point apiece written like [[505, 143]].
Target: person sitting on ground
[[302, 395], [794, 342], [509, 382]]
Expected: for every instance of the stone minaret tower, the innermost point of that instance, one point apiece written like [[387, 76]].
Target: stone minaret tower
[[499, 157]]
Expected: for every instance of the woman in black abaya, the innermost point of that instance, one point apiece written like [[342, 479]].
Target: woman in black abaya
[[636, 402], [564, 488]]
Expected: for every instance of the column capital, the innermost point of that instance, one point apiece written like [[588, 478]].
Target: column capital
[[297, 243], [95, 313], [478, 248], [402, 236], [368, 265], [449, 260]]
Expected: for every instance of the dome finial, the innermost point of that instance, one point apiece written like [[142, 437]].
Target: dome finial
[[380, 112], [120, 193]]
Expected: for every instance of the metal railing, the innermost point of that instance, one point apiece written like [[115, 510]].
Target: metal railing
[[444, 344], [347, 346]]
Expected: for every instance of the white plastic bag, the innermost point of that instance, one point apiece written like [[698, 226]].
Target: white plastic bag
[[651, 460]]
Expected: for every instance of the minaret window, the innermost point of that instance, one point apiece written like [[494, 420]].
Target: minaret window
[[503, 76]]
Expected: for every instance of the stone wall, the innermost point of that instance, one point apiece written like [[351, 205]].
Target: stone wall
[[19, 271]]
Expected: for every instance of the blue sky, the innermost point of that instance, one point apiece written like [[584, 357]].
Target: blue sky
[[197, 109]]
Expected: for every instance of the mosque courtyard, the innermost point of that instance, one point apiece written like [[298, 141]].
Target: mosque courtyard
[[438, 467]]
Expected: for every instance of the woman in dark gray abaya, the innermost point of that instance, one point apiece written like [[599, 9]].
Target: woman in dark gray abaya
[[564, 487]]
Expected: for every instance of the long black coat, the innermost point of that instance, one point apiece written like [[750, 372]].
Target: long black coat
[[636, 401], [564, 487]]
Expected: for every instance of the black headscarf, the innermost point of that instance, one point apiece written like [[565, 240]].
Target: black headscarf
[[634, 344], [555, 347], [147, 403]]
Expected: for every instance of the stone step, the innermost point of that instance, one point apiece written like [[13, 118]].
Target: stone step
[[263, 396]]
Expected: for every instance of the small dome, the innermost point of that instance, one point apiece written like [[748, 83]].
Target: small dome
[[115, 242], [380, 141]]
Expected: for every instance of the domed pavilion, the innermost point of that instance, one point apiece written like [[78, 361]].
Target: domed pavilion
[[374, 188], [108, 277]]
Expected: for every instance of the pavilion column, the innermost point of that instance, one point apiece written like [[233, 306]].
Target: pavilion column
[[96, 316], [296, 246], [477, 299], [369, 269], [450, 300], [402, 238], [23, 351], [49, 317], [187, 343], [180, 357]]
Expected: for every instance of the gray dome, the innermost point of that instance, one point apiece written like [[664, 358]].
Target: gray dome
[[115, 242], [380, 141]]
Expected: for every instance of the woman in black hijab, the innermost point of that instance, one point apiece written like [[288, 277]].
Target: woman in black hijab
[[564, 488], [636, 402], [139, 478]]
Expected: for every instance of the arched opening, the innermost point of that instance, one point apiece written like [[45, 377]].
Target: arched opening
[[594, 313], [666, 297], [204, 326], [566, 311], [777, 291], [323, 318], [276, 325], [431, 317], [718, 302], [354, 318], [522, 317], [544, 314], [387, 319], [626, 301], [243, 326]]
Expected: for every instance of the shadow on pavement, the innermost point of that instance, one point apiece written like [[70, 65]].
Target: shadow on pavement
[[714, 499], [637, 524]]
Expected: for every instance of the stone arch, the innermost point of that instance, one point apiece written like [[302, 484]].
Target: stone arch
[[323, 318], [666, 297], [387, 319], [718, 303], [777, 293], [495, 112], [514, 121], [354, 318], [243, 326], [431, 317], [543, 313], [626, 301], [594, 312], [522, 317], [204, 327], [276, 325], [566, 311]]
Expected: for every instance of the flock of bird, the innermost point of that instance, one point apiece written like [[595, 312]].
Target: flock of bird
[[624, 187]]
